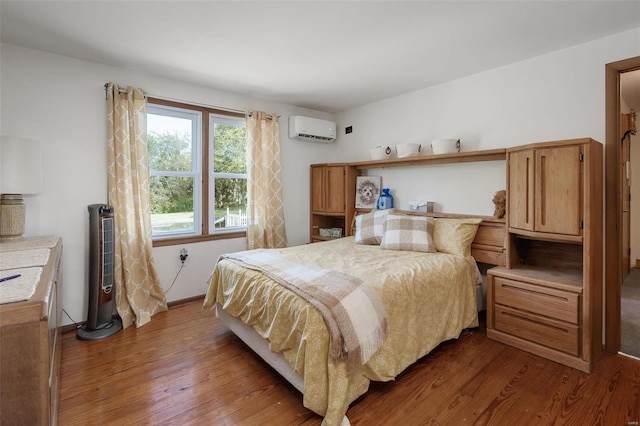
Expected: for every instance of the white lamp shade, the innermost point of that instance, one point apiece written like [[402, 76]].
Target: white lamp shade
[[21, 164]]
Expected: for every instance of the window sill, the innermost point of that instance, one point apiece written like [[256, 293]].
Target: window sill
[[198, 238]]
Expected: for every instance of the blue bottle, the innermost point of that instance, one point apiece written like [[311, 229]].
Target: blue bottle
[[385, 200]]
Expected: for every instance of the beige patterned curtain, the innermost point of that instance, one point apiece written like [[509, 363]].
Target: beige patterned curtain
[[265, 214], [138, 292]]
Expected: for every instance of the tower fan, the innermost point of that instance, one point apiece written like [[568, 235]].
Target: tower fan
[[100, 323]]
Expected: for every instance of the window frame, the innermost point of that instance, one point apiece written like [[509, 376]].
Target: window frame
[[207, 232]]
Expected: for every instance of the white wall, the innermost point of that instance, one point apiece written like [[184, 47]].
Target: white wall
[[551, 97], [60, 101]]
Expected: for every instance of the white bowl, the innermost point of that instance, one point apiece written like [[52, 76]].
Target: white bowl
[[380, 153], [404, 150], [445, 146]]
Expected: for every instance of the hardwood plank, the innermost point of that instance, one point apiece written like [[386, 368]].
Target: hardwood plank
[[185, 368]]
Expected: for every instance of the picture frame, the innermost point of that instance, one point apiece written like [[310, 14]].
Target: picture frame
[[367, 191]]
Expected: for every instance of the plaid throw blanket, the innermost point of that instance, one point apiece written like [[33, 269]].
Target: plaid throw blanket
[[351, 309]]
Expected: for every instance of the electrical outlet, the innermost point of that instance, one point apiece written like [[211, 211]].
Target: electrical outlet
[[183, 255]]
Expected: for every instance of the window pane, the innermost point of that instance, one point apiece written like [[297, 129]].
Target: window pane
[[229, 147], [169, 141], [230, 202], [172, 204]]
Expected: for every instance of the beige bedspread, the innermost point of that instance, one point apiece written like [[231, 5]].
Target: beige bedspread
[[428, 298]]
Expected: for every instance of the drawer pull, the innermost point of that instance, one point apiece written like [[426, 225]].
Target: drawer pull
[[539, 324], [539, 293]]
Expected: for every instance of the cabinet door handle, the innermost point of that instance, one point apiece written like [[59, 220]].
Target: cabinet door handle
[[543, 185], [326, 190], [528, 194]]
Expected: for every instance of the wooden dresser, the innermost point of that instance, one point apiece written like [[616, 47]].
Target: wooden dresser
[[30, 344], [548, 298]]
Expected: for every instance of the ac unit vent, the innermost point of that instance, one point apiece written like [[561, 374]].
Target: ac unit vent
[[315, 138]]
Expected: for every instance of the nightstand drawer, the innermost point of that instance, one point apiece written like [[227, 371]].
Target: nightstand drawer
[[543, 301], [543, 331]]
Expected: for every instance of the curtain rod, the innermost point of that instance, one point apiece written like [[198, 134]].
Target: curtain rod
[[249, 113]]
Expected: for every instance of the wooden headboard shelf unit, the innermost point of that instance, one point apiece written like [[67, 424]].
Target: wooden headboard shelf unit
[[458, 157], [489, 243]]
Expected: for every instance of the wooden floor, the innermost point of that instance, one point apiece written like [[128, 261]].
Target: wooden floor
[[184, 368]]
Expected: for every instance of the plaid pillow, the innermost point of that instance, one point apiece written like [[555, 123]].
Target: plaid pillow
[[369, 226], [411, 233]]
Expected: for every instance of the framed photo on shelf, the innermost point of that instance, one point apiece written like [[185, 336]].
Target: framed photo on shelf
[[367, 191]]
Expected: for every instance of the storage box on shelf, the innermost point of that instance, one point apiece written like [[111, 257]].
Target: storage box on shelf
[[548, 298]]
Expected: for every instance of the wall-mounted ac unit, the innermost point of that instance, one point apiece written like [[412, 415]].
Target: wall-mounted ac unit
[[311, 129]]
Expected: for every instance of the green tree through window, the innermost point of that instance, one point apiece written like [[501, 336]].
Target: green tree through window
[[229, 172], [170, 151]]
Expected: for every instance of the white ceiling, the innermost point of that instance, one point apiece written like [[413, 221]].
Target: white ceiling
[[324, 55]]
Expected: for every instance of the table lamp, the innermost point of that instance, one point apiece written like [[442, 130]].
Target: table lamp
[[21, 173]]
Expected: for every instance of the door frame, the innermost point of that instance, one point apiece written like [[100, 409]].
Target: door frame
[[613, 201]]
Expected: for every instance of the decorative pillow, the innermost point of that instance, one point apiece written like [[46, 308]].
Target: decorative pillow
[[454, 236], [369, 226], [410, 233]]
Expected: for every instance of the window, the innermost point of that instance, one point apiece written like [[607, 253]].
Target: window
[[197, 161], [229, 173]]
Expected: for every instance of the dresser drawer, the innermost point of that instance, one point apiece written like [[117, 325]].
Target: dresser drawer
[[543, 301], [540, 330]]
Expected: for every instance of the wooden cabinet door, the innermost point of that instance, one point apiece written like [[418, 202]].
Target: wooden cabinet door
[[335, 189], [521, 191], [558, 190], [317, 189]]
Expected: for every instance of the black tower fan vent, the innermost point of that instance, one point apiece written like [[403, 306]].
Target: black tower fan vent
[[100, 321]]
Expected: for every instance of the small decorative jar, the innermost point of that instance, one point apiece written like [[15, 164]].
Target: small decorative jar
[[385, 200]]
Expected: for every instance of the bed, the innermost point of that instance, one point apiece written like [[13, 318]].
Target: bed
[[427, 296]]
